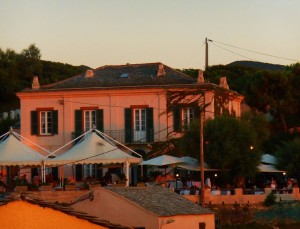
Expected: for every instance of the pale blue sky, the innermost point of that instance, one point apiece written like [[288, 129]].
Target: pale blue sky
[[96, 32]]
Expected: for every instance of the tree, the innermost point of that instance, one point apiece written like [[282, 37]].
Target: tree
[[32, 53], [231, 144], [288, 157], [276, 95], [30, 63]]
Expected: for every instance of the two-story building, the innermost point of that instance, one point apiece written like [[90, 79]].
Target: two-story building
[[127, 102]]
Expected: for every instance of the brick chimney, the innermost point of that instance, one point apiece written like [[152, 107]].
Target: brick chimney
[[200, 76], [35, 83], [89, 73], [161, 70], [223, 83]]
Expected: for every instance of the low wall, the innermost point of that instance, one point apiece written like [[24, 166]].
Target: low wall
[[240, 198]]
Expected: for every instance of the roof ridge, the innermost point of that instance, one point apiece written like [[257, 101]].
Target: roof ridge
[[128, 64]]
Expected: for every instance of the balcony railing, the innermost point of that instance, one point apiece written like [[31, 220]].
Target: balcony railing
[[127, 136], [131, 136]]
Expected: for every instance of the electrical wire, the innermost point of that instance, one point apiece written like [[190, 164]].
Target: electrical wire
[[233, 52], [260, 53]]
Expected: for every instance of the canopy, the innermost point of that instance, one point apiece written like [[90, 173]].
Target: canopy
[[93, 150], [13, 152], [265, 168], [196, 167], [163, 160], [190, 163], [268, 159]]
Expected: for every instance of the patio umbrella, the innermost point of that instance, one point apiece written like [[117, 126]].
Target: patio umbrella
[[265, 168], [190, 163], [163, 160]]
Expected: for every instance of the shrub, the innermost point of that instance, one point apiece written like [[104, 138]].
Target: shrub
[[270, 200]]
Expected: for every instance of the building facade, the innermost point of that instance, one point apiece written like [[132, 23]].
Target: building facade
[[130, 103]]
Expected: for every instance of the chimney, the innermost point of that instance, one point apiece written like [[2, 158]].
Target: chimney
[[35, 83], [223, 83], [89, 73], [161, 70], [200, 76]]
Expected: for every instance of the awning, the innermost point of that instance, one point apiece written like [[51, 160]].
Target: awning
[[13, 152], [268, 159], [93, 149], [163, 160], [265, 168]]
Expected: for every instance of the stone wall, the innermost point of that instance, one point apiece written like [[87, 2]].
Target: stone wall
[[240, 198]]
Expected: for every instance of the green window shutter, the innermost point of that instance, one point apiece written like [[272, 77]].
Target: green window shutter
[[34, 123], [55, 122], [176, 119], [128, 125], [99, 120], [149, 125], [78, 123], [197, 112]]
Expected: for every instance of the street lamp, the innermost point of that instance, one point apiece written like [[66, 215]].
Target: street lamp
[[177, 176]]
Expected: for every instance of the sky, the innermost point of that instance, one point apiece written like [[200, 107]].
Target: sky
[[115, 32]]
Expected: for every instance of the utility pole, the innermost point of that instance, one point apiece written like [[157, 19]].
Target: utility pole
[[206, 53], [202, 156]]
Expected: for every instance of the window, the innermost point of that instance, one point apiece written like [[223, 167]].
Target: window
[[44, 122], [202, 225], [183, 117], [86, 119], [139, 126], [89, 120], [188, 115]]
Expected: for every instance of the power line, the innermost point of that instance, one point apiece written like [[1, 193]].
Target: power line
[[233, 52], [261, 53]]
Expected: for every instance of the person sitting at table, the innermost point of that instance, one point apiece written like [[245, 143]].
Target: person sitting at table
[[24, 180], [289, 184], [273, 184], [36, 180]]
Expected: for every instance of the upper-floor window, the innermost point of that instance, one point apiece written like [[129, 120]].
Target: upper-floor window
[[183, 117], [139, 125], [188, 116], [89, 119], [44, 122]]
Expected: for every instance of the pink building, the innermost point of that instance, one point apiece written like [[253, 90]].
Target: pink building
[[146, 207], [127, 102]]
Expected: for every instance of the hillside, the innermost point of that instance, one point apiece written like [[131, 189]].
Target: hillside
[[257, 65]]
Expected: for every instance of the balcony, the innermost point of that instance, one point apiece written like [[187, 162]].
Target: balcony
[[131, 136], [127, 136]]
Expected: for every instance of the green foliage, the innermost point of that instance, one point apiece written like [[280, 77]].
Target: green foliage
[[18, 69], [5, 125], [228, 146], [277, 93], [270, 200], [288, 156]]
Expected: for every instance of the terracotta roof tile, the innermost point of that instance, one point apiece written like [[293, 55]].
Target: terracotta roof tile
[[161, 201]]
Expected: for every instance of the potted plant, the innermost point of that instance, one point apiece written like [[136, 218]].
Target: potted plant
[[69, 186], [21, 184], [46, 187]]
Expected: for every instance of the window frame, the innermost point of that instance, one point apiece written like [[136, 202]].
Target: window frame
[[37, 119], [92, 120], [45, 124], [187, 121]]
